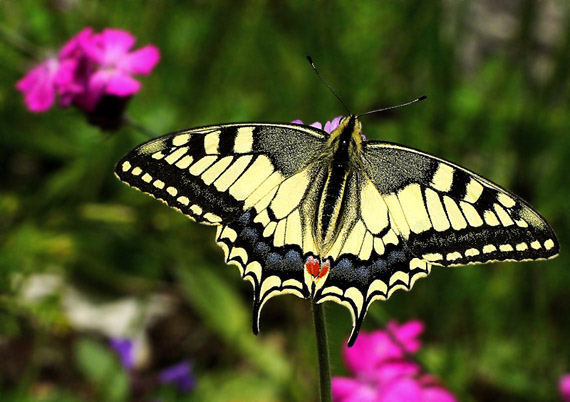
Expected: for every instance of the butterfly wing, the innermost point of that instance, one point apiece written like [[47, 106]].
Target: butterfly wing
[[407, 210], [255, 181], [448, 215]]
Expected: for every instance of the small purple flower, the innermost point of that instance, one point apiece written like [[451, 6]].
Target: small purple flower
[[180, 375], [329, 125], [564, 387], [124, 348]]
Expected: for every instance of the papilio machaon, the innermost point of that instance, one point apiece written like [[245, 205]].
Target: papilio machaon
[[333, 216]]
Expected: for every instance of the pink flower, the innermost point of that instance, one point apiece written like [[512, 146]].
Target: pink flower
[[110, 52], [564, 387], [39, 86], [88, 67], [373, 348], [382, 371], [329, 125]]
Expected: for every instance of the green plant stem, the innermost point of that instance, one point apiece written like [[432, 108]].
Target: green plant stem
[[139, 127], [322, 351]]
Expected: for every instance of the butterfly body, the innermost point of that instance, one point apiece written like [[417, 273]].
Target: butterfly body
[[330, 215]]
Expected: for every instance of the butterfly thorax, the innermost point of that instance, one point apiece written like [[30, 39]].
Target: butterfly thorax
[[344, 145]]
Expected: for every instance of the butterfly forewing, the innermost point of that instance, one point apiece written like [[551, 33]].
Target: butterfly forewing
[[449, 215], [211, 173]]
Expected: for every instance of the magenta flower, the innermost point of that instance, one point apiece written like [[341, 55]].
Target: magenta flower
[[381, 370], [89, 68], [110, 52], [564, 387]]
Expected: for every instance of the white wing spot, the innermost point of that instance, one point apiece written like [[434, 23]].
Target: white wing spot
[[196, 209], [158, 184], [489, 248], [505, 248], [244, 140], [174, 156], [126, 166], [172, 191], [471, 214], [180, 139], [548, 244], [535, 245], [443, 178], [521, 223], [184, 162], [201, 165], [436, 212], [473, 191], [136, 171], [433, 257], [211, 142], [414, 208], [522, 246], [490, 218], [212, 217], [158, 155], [472, 252], [183, 200], [503, 215], [453, 256], [506, 200], [147, 178], [458, 222]]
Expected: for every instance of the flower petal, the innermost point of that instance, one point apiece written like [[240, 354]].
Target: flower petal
[[437, 394], [141, 61], [180, 375], [333, 124], [564, 387], [124, 348], [317, 124], [74, 46], [120, 84], [38, 86], [115, 43], [407, 334], [351, 390], [402, 390]]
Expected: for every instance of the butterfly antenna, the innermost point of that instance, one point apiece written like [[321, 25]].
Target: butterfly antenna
[[328, 86], [421, 98]]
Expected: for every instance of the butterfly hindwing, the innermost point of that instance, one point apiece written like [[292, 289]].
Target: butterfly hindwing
[[370, 258]]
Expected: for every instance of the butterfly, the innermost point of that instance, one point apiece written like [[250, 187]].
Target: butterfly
[[333, 216]]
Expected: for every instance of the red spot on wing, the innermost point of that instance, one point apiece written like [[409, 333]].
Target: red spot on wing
[[316, 269], [324, 268]]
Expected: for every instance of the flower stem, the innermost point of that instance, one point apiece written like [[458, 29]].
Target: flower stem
[[139, 127], [322, 350]]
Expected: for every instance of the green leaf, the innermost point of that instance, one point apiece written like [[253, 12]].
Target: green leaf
[[103, 370]]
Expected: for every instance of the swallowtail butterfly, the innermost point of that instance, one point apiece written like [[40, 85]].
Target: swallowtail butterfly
[[333, 216]]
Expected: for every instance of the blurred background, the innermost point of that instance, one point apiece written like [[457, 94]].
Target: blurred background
[[85, 260]]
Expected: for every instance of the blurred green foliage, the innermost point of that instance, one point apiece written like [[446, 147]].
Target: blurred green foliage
[[497, 77]]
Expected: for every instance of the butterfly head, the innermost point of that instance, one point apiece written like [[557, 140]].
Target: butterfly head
[[348, 134]]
